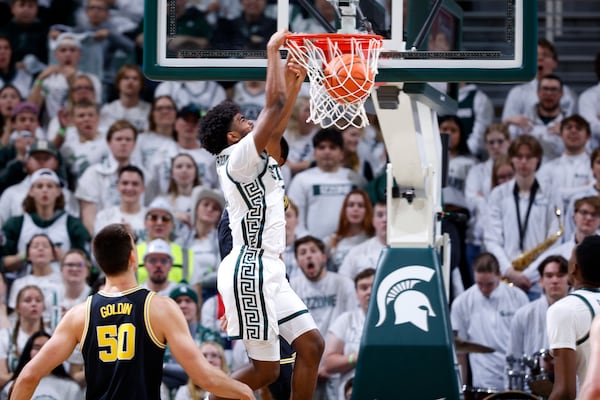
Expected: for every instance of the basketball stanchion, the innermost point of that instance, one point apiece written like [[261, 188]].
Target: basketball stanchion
[[341, 69]]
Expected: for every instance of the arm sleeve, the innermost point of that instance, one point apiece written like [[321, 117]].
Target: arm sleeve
[[589, 108], [514, 104], [458, 319], [557, 318], [87, 189], [244, 162], [484, 115], [494, 232]]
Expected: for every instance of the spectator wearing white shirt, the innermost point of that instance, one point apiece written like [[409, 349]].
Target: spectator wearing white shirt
[[97, 187], [320, 191], [366, 254], [544, 117], [40, 254], [52, 84], [589, 106], [203, 94], [483, 314], [528, 326], [478, 185], [569, 173], [129, 106], [592, 189], [130, 210], [157, 144], [521, 212], [84, 145], [586, 218], [522, 98]]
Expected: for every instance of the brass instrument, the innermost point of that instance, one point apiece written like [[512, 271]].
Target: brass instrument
[[523, 261]]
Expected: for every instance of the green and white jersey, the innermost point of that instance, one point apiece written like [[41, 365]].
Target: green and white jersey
[[253, 187]]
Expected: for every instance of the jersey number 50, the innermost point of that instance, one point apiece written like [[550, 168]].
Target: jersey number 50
[[120, 342]]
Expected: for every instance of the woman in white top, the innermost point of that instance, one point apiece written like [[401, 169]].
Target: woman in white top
[[184, 177], [130, 211], [354, 227], [40, 254], [28, 319], [478, 185], [156, 144], [75, 269], [343, 339], [215, 355]]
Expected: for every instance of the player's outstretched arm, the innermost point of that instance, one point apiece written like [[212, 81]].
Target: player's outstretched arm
[[55, 351], [293, 74], [271, 113], [168, 323]]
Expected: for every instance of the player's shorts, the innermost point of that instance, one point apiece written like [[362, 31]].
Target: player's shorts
[[259, 302]]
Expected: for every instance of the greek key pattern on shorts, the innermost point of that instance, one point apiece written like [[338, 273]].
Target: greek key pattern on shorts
[[254, 221], [249, 295]]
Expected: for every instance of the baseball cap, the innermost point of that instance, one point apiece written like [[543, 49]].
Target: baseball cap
[[66, 39], [25, 107], [45, 173], [160, 204], [43, 146], [158, 246], [183, 289], [191, 110]]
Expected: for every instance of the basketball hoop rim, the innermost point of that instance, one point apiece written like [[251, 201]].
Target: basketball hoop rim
[[343, 40]]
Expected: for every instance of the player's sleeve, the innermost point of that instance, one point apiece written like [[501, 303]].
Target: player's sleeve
[[87, 187], [560, 325], [244, 162]]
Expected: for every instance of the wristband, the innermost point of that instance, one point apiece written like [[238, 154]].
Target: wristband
[[351, 360], [23, 256], [62, 131], [39, 82]]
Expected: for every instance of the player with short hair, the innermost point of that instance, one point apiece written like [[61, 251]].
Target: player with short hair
[[123, 331], [259, 303]]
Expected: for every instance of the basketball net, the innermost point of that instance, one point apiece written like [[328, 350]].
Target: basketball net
[[314, 52]]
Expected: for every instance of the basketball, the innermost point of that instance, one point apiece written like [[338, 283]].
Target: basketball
[[348, 79]]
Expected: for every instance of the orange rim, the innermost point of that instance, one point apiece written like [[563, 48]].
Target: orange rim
[[343, 40]]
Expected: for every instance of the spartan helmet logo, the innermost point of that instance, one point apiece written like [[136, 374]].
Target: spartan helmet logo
[[409, 305]]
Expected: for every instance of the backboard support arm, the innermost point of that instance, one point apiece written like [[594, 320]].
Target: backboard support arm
[[420, 333]]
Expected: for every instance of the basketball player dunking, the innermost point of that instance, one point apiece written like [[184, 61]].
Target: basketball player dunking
[[259, 303], [123, 331]]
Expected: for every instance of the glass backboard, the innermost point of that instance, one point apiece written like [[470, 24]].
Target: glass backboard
[[424, 40]]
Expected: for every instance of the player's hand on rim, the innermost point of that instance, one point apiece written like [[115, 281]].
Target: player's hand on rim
[[277, 39]]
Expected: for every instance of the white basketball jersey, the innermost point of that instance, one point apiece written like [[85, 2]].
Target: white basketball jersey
[[253, 187]]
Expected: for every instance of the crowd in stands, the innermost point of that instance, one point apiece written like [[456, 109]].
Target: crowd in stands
[[86, 140]]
